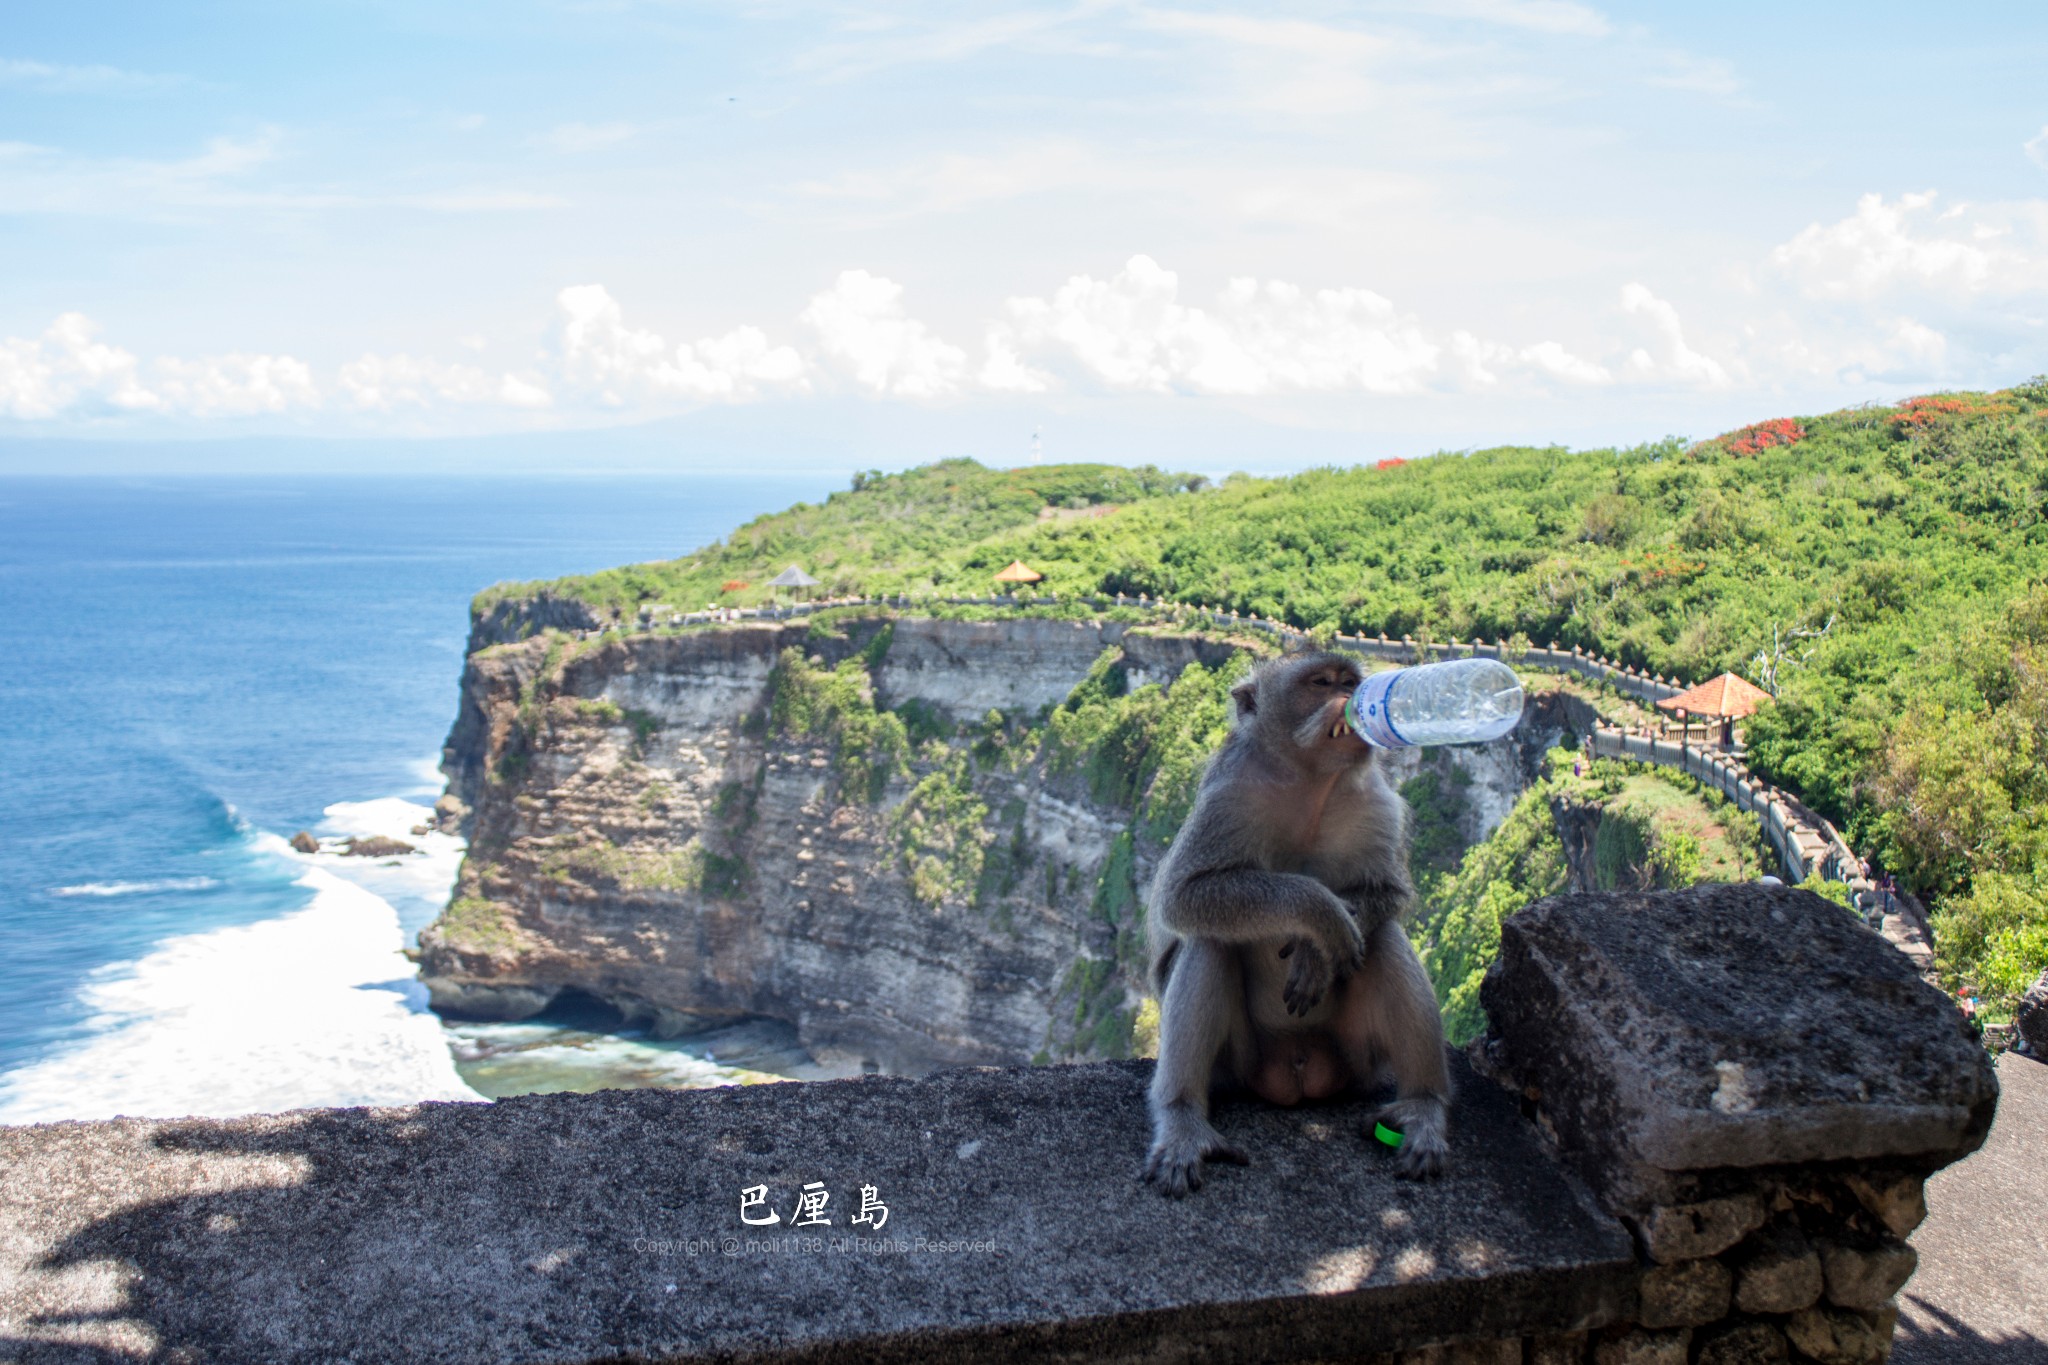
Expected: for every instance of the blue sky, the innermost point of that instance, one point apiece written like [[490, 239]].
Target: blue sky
[[671, 235]]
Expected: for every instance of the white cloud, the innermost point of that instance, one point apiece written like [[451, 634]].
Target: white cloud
[[1482, 364], [1132, 332], [860, 325], [1552, 359], [1893, 350], [1004, 371], [1909, 292], [1884, 245], [2036, 148], [1672, 357], [235, 385], [49, 79], [66, 370], [586, 137], [385, 383], [599, 355]]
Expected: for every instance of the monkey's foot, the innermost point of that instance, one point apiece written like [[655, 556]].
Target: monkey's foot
[[1423, 1124], [1183, 1143]]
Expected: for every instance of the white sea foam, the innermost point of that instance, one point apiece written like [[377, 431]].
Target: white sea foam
[[415, 884], [136, 888], [428, 771], [316, 1007]]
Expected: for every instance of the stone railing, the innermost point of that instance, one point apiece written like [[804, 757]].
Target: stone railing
[[1807, 844], [1677, 1148]]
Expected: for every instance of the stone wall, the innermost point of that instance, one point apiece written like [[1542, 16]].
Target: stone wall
[[1697, 1133]]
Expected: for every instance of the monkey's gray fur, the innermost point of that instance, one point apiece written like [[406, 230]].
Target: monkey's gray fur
[[1274, 921]]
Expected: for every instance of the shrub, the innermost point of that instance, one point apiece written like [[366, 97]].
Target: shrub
[[1752, 440]]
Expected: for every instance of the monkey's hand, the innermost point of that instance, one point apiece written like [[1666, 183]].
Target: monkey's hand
[[1332, 950], [1309, 979]]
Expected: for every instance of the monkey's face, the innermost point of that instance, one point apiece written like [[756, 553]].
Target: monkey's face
[[1298, 703]]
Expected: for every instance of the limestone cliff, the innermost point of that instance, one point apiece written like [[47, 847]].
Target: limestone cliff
[[858, 828], [645, 829]]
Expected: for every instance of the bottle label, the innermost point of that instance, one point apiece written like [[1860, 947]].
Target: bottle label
[[1368, 714]]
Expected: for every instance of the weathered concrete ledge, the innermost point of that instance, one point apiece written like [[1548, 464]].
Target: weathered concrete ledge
[[1752, 1085], [1728, 1027], [582, 1228]]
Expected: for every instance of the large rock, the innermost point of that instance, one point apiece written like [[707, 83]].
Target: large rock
[[377, 846], [1726, 1027], [2031, 1018]]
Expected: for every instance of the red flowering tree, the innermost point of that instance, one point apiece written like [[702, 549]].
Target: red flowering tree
[[1922, 414], [1753, 440]]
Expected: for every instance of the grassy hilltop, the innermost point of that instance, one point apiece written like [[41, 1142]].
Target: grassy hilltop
[[1891, 562]]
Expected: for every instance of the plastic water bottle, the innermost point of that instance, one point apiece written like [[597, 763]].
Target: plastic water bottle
[[1464, 701]]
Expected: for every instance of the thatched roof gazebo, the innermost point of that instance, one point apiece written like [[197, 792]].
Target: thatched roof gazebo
[[792, 577], [1019, 572], [1727, 698]]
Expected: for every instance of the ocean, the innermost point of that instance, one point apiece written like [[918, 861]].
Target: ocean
[[199, 668]]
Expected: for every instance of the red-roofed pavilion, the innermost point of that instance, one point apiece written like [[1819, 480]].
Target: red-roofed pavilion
[[1728, 698]]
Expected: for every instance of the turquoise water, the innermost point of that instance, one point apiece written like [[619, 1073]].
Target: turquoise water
[[198, 668]]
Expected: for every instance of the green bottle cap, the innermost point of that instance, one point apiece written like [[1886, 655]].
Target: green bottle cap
[[1386, 1135]]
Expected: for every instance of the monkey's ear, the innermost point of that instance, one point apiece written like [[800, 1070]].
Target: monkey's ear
[[1246, 695]]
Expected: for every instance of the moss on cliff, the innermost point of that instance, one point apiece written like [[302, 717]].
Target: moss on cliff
[[477, 924], [941, 836], [1142, 751], [807, 700], [634, 868]]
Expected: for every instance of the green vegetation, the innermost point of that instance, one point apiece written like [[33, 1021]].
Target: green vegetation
[[478, 924], [941, 834], [809, 701], [689, 868], [891, 533], [1143, 751], [1655, 829], [1884, 569], [1102, 1021], [1436, 797], [1659, 828], [1458, 931]]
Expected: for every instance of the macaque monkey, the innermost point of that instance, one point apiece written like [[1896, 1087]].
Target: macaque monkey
[[1277, 949]]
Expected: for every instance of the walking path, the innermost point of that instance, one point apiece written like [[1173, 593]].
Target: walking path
[[1980, 1296]]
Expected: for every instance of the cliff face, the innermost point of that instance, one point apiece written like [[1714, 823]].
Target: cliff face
[[642, 829], [652, 821]]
